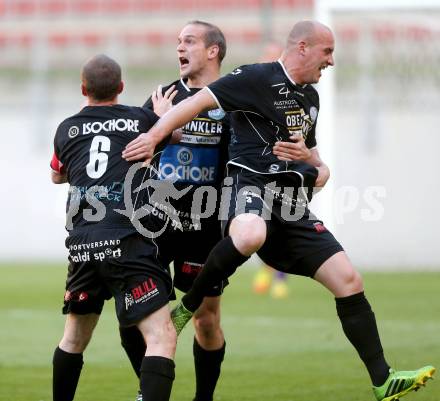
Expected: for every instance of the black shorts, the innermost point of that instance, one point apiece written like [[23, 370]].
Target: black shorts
[[297, 242], [105, 264], [189, 249]]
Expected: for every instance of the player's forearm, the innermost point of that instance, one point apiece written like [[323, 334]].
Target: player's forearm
[[181, 114], [175, 118], [143, 147], [323, 175], [323, 169]]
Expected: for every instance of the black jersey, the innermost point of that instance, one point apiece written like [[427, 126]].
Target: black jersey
[[88, 149], [268, 107], [200, 157]]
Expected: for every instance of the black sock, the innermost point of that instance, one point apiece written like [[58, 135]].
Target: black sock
[[359, 325], [66, 371], [134, 345], [157, 375], [207, 366], [222, 262]]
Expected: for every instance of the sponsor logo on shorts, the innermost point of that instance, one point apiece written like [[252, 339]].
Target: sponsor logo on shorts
[[87, 256], [141, 293], [191, 268], [83, 296], [319, 227], [76, 296]]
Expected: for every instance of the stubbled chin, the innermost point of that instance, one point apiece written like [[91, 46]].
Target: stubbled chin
[[184, 69]]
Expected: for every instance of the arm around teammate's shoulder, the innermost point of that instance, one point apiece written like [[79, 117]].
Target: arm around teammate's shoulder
[[142, 148]]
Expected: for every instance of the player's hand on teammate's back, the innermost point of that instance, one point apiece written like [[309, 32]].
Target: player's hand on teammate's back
[[141, 148], [295, 150], [162, 102]]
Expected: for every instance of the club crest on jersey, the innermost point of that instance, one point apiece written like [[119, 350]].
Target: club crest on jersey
[[216, 114], [313, 113], [73, 131], [273, 168], [184, 156]]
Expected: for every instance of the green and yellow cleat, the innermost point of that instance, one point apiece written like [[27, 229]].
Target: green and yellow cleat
[[402, 382], [180, 317]]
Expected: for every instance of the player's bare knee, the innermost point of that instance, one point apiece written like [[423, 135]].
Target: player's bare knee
[[207, 325], [162, 339], [248, 233], [74, 344], [353, 282]]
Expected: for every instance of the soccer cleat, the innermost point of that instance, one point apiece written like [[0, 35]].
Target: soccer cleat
[[139, 396], [402, 382], [180, 317]]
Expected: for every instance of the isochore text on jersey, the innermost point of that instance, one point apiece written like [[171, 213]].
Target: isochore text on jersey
[[120, 125]]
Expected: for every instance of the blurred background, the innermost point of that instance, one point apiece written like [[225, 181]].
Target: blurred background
[[378, 126]]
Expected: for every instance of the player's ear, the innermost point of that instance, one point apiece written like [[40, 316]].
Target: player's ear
[[213, 51], [120, 87], [302, 47], [84, 90]]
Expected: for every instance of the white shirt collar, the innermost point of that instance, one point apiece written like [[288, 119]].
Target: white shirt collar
[[184, 85], [288, 76]]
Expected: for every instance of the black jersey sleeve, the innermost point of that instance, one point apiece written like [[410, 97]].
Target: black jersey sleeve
[[148, 104], [56, 163], [150, 115], [311, 137], [239, 90]]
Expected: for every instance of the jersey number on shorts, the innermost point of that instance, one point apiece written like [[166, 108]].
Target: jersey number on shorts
[[98, 158]]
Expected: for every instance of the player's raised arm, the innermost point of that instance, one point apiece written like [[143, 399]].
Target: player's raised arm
[[142, 148]]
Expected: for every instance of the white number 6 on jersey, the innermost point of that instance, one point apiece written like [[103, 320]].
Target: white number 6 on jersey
[[98, 159]]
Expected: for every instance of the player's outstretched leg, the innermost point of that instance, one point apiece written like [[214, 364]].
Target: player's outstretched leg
[[247, 233], [359, 325], [402, 382]]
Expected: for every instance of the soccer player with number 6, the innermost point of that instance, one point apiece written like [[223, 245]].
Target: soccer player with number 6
[[108, 257]]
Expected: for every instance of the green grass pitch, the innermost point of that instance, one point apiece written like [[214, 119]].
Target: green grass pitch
[[277, 350]]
